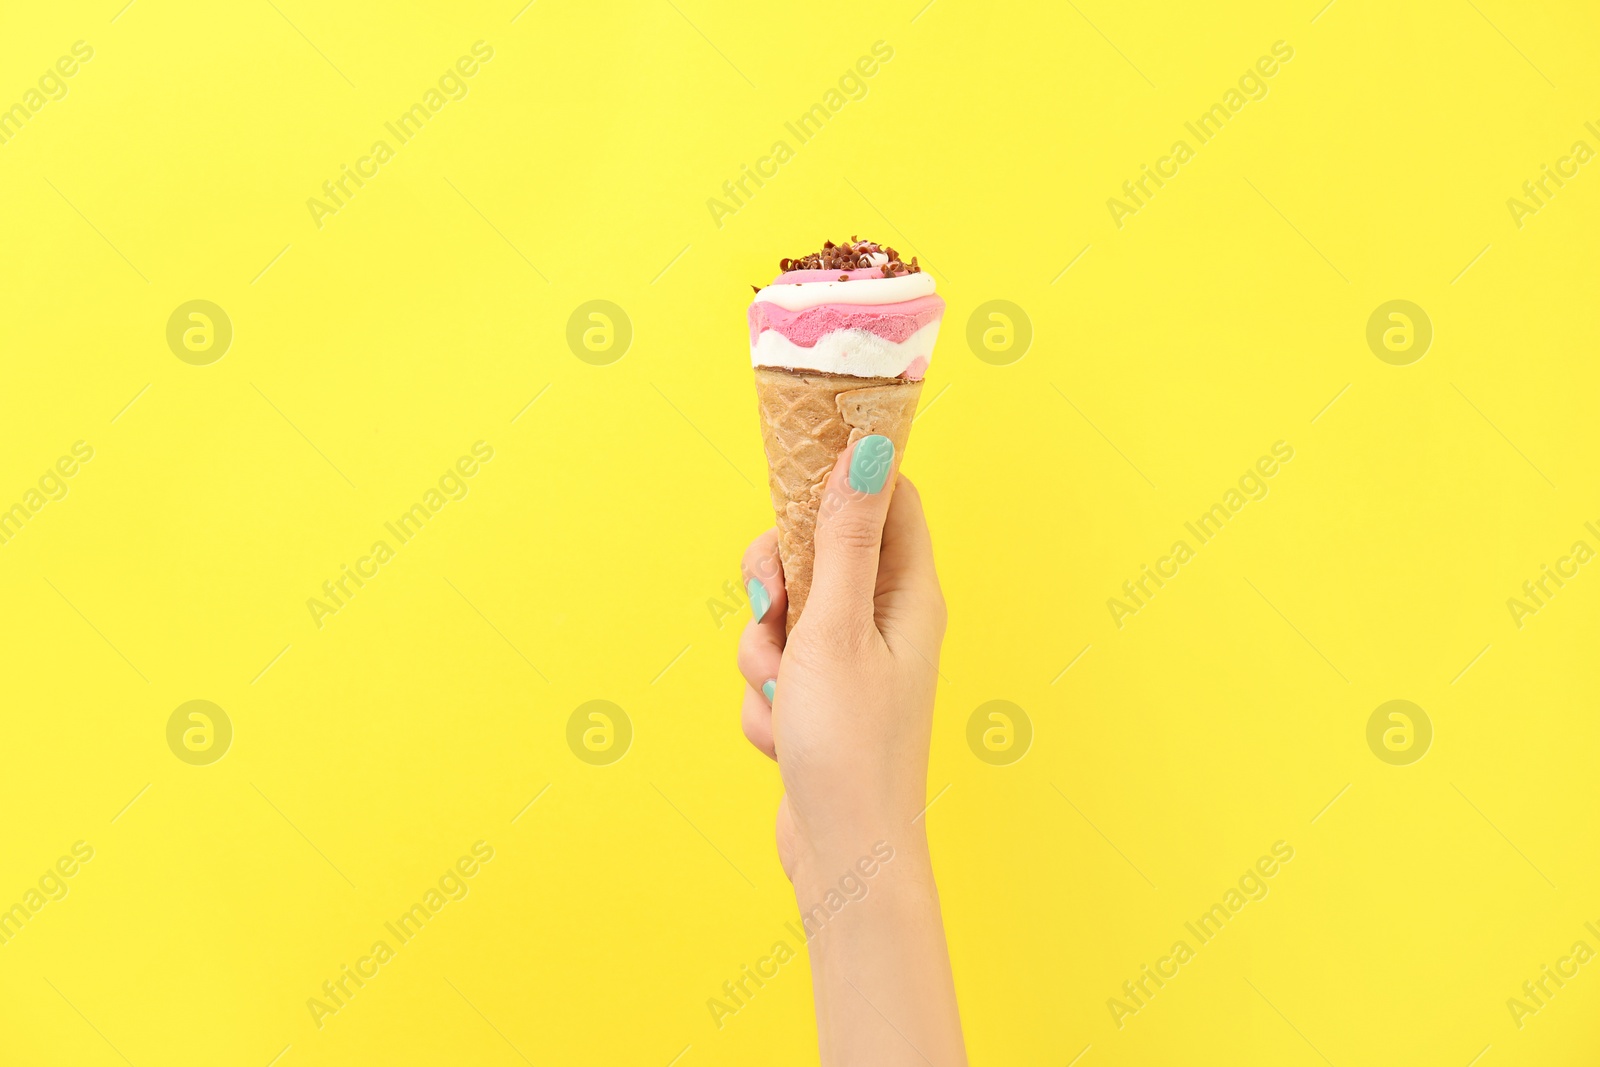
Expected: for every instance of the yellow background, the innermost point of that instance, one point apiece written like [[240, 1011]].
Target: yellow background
[[370, 353]]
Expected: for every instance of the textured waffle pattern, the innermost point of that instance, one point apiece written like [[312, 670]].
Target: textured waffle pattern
[[807, 419]]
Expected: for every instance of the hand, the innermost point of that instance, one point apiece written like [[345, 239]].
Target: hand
[[845, 706], [852, 689]]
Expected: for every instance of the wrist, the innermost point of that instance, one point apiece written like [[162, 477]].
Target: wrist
[[847, 863], [838, 818]]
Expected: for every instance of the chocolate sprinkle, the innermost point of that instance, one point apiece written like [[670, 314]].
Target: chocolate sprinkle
[[853, 254]]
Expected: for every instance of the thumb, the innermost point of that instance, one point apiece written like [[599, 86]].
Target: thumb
[[850, 528]]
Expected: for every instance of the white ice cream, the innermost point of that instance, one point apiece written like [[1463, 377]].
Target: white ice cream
[[858, 352], [797, 296]]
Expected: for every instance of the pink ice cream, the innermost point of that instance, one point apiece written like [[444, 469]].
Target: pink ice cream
[[854, 322]]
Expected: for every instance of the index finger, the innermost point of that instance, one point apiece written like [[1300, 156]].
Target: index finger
[[762, 571]]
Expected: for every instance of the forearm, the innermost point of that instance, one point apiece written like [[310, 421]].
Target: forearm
[[880, 968]]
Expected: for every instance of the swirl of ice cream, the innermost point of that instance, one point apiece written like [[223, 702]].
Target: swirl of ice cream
[[855, 321]]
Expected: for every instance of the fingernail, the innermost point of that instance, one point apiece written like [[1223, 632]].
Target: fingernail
[[769, 689], [869, 466], [760, 600]]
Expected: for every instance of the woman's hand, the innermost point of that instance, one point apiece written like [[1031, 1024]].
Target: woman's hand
[[845, 706]]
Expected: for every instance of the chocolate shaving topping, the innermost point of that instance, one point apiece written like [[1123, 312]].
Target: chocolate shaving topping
[[853, 254]]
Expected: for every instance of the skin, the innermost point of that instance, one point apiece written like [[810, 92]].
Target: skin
[[850, 727]]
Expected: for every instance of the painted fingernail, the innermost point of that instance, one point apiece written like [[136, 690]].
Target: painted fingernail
[[869, 466], [760, 600], [769, 689]]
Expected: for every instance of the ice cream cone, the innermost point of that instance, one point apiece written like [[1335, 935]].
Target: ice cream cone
[[840, 342], [807, 419]]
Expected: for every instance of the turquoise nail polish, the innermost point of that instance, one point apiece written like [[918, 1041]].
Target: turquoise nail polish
[[869, 467], [769, 689], [759, 600]]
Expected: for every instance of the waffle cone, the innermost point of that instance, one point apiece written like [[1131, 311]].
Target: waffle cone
[[807, 419]]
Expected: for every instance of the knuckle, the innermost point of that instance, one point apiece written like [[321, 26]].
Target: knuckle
[[747, 724], [760, 557], [766, 566], [750, 652], [853, 533]]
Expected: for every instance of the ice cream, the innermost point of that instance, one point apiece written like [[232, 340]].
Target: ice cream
[[851, 309], [840, 342]]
